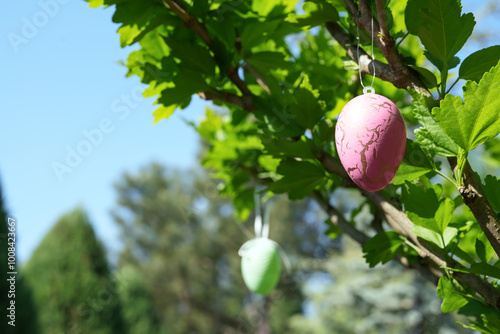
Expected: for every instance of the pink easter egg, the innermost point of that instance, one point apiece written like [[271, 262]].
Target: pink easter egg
[[371, 138]]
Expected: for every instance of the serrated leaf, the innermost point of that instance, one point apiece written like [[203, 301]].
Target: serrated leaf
[[382, 247], [471, 123], [299, 178], [416, 162], [451, 295], [483, 248], [430, 136], [443, 31], [474, 66], [163, 112]]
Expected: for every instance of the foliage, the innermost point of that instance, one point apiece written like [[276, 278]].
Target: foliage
[[283, 74], [25, 312], [71, 282]]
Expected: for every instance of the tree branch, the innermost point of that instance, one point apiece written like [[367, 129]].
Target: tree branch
[[191, 22], [384, 29], [396, 71], [338, 220], [227, 97], [365, 63], [474, 197]]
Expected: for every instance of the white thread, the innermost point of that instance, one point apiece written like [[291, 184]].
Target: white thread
[[258, 216], [367, 88]]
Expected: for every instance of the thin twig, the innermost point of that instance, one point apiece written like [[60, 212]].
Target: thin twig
[[192, 22]]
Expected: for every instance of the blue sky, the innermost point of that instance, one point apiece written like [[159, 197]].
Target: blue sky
[[62, 82]]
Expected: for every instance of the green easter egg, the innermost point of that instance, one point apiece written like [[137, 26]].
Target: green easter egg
[[261, 265]]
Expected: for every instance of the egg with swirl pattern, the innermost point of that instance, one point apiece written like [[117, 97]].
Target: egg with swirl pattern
[[370, 137]]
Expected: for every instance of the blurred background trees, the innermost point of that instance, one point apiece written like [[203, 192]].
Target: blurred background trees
[[179, 270]]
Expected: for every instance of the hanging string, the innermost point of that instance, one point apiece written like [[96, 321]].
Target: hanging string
[[258, 215], [367, 89]]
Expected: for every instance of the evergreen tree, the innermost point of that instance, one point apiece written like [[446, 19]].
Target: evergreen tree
[[71, 281]]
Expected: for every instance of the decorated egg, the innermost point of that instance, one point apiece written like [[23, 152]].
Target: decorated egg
[[371, 138], [260, 265]]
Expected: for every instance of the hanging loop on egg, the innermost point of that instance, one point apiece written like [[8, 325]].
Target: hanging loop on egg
[[368, 90]]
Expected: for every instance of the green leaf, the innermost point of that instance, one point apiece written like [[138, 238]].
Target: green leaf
[[382, 247], [452, 63], [436, 238], [451, 294], [430, 136], [222, 31], [412, 15], [483, 248], [443, 31], [308, 110], [268, 60], [427, 77], [317, 12], [491, 187], [163, 112], [191, 82], [422, 202], [444, 213], [256, 33], [416, 162], [471, 123], [302, 148], [428, 235], [324, 131], [474, 66], [266, 7], [192, 56], [299, 178]]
